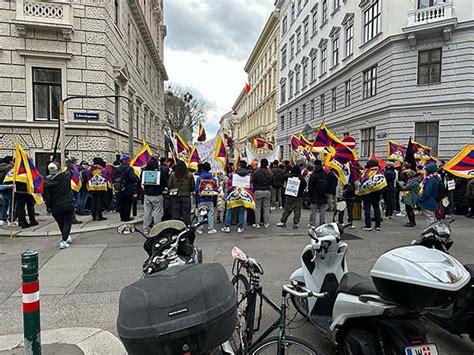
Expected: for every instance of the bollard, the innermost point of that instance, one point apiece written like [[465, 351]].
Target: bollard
[[31, 304]]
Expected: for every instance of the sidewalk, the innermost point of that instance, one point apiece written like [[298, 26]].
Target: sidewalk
[[48, 227]]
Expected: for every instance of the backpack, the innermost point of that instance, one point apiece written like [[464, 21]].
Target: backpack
[[208, 188], [442, 191], [119, 181]]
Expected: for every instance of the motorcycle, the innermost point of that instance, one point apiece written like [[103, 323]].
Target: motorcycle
[[169, 243], [457, 317], [380, 315]]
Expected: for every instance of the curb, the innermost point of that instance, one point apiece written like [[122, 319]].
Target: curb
[[89, 340], [20, 233]]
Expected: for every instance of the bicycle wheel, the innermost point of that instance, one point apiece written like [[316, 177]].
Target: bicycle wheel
[[293, 346], [241, 285]]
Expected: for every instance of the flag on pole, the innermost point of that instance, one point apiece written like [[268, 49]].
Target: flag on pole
[[202, 133], [422, 152], [141, 158], [237, 161], [305, 141], [26, 172], [295, 142], [381, 163], [228, 140], [340, 151], [220, 153], [182, 148], [372, 180], [410, 155], [262, 143], [462, 164], [194, 158], [247, 88], [396, 151]]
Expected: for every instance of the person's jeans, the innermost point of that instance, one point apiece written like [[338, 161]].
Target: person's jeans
[[240, 217], [6, 204], [24, 200], [181, 208], [262, 198], [81, 201], [210, 214], [430, 216], [349, 204], [411, 215], [389, 203], [331, 202], [63, 215], [322, 214], [293, 204], [368, 218], [276, 197], [153, 211], [97, 204]]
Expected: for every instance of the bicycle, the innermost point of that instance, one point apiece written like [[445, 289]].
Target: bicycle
[[249, 290]]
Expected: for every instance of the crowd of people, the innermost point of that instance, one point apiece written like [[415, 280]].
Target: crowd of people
[[244, 195]]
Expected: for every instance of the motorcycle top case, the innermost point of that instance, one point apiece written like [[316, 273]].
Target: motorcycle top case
[[418, 277], [188, 308]]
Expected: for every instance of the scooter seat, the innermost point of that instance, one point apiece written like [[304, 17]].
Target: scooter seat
[[355, 284]]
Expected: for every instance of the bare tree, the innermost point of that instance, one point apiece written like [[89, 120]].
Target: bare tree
[[184, 108]]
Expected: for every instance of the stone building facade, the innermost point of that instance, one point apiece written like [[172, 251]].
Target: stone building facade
[[378, 70], [259, 119], [61, 48]]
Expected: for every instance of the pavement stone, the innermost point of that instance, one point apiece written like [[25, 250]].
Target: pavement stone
[[50, 349]]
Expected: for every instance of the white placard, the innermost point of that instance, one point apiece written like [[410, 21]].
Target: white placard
[[292, 186], [151, 177], [451, 185], [206, 153], [241, 181]]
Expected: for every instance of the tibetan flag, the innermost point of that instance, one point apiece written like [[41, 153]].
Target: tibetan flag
[[295, 142], [343, 170], [194, 158], [396, 151], [372, 180], [262, 143], [228, 140], [25, 171], [220, 153], [422, 152], [237, 161], [76, 181], [462, 164], [141, 159], [305, 141], [202, 133], [341, 152], [182, 149]]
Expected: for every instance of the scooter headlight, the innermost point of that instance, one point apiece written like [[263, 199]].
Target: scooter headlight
[[442, 229], [325, 230]]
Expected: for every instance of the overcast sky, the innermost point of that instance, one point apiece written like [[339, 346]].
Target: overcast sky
[[208, 44]]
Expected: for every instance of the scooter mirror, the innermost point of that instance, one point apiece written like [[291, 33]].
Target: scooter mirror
[[341, 206], [125, 229]]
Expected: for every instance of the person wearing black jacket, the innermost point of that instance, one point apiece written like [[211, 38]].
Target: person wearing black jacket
[[348, 195], [24, 199], [278, 181], [153, 191], [58, 197], [389, 191], [317, 190], [294, 204], [128, 187], [331, 190], [262, 180]]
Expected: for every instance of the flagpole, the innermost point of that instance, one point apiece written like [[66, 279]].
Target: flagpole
[[12, 210]]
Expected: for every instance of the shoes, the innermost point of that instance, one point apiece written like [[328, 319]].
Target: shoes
[[199, 231], [24, 226], [352, 226], [389, 217], [377, 229], [95, 219], [266, 225], [225, 229], [240, 230], [281, 207], [273, 208], [281, 224], [212, 231], [125, 220], [408, 225], [296, 226], [256, 225], [3, 223], [102, 219], [15, 224], [219, 221], [63, 245], [69, 240], [401, 215], [368, 229], [76, 222], [34, 223]]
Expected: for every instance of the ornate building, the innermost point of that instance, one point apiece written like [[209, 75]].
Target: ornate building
[[52, 50], [378, 70], [257, 114]]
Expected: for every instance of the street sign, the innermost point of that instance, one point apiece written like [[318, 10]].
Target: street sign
[[86, 116], [349, 141]]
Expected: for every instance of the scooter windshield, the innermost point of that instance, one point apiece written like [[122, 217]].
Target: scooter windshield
[[325, 230]]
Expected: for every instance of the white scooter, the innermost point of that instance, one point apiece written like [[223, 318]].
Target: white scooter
[[379, 315]]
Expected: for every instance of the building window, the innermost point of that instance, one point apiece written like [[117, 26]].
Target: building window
[[333, 99], [296, 116], [313, 68], [137, 52], [370, 82], [305, 73], [305, 33], [324, 64], [283, 57], [337, 4], [298, 41], [291, 119], [292, 47], [335, 51], [372, 21], [349, 40], [293, 13], [367, 141], [282, 122], [347, 93], [315, 22], [116, 11], [429, 66], [46, 93], [297, 80], [283, 92], [427, 134], [303, 113], [325, 11], [118, 92], [428, 3], [291, 85], [321, 105], [284, 25], [312, 110]]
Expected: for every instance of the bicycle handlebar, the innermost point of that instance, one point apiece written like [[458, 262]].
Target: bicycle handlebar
[[306, 294]]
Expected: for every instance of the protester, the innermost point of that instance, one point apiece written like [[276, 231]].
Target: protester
[[410, 191], [348, 195], [238, 198], [83, 193], [153, 192], [331, 190], [222, 182], [205, 190], [373, 181], [262, 179], [294, 203], [389, 191], [318, 190], [127, 187], [58, 197], [6, 165], [181, 186], [429, 193], [97, 187], [470, 197], [402, 179], [277, 185], [24, 200]]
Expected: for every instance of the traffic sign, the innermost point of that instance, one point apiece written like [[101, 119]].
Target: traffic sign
[[349, 141]]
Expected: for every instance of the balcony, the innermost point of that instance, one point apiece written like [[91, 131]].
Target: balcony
[[54, 15], [425, 22]]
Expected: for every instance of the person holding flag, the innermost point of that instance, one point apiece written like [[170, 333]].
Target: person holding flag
[[6, 167], [97, 187], [126, 187]]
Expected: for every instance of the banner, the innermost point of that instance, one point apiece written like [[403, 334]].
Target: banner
[[271, 156], [206, 153]]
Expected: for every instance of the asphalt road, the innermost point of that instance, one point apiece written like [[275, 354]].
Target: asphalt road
[[80, 286]]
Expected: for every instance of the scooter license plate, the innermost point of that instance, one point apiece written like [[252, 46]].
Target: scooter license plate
[[425, 349]]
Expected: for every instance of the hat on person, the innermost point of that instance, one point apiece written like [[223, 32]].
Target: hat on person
[[125, 158], [371, 163], [431, 168], [206, 166], [53, 168], [410, 173], [296, 170]]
